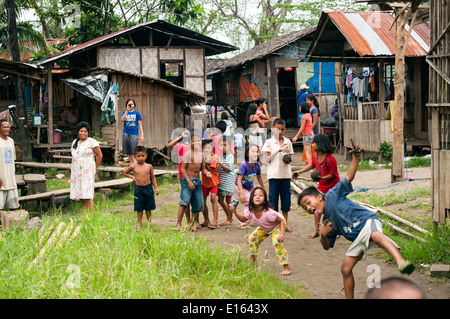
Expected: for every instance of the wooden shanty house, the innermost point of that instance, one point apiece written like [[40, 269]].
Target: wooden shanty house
[[363, 42], [32, 98], [158, 64], [273, 70], [438, 59]]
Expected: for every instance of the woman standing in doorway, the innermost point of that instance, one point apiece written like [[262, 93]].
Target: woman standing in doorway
[[132, 127], [86, 158]]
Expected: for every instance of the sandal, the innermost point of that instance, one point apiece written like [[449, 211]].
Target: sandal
[[407, 268]]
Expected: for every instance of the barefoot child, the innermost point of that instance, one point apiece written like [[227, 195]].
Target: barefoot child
[[278, 171], [306, 131], [226, 185], [191, 186], [270, 223], [357, 224], [210, 182], [248, 171], [144, 179], [325, 164]]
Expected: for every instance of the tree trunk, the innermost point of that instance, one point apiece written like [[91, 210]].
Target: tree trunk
[[399, 101], [19, 84]]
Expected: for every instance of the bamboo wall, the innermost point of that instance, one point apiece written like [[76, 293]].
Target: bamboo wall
[[439, 104]]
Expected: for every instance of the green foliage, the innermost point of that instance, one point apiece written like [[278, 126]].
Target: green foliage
[[417, 161], [386, 150]]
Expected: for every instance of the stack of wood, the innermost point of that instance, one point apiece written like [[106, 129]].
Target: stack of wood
[[123, 160], [51, 236]]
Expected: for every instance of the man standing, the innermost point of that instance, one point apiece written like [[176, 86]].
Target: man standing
[[302, 94], [9, 197]]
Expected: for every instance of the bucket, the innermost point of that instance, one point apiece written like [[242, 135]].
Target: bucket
[[57, 135]]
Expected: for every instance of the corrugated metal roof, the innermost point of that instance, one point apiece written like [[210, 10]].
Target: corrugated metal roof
[[369, 35], [158, 25]]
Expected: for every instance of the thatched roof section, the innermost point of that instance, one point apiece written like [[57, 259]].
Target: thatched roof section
[[258, 52]]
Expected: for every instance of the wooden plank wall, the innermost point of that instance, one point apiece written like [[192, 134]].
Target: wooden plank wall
[[156, 105], [369, 134], [439, 104]]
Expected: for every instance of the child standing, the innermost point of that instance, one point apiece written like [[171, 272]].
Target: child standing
[[270, 223], [178, 147], [306, 131], [226, 185], [210, 182], [357, 224], [325, 164], [247, 172], [278, 171], [191, 186], [143, 178]]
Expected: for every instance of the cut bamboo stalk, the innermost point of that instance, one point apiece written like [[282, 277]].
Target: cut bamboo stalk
[[295, 188], [66, 233], [393, 216], [404, 232], [50, 241]]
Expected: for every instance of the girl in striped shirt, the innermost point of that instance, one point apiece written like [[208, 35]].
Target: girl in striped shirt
[[226, 185]]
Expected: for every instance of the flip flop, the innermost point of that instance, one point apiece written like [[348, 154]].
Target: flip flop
[[225, 223], [407, 268], [210, 226]]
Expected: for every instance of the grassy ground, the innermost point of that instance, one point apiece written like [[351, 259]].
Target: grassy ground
[[111, 258]]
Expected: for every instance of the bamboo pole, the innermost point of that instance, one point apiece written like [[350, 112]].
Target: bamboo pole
[[397, 218]]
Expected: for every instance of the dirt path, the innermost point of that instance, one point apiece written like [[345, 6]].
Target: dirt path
[[316, 269]]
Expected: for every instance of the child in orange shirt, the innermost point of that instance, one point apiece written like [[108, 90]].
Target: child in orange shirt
[[210, 184]]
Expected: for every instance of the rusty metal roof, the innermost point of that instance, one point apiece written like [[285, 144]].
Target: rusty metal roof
[[370, 33], [212, 46]]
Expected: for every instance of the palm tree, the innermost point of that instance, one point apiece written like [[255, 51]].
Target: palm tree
[[30, 41]]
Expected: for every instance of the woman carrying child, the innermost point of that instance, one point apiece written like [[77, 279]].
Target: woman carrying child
[[270, 223]]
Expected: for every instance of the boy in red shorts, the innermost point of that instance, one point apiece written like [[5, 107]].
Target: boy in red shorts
[[210, 184]]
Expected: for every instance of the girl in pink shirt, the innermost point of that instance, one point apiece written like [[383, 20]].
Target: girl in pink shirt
[[270, 223], [306, 131]]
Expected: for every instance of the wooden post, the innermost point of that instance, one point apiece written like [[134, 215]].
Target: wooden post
[[50, 104], [398, 112], [381, 90]]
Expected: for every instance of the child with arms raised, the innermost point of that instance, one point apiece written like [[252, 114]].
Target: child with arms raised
[[357, 224], [144, 179], [270, 223], [325, 164]]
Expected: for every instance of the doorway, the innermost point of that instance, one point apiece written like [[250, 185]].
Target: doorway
[[287, 96]]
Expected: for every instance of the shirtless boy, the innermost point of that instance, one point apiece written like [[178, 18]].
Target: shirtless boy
[[143, 178], [191, 185]]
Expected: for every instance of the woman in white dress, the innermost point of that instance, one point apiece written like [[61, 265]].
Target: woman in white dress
[[86, 157]]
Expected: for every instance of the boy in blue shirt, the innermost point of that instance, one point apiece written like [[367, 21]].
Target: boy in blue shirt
[[357, 224]]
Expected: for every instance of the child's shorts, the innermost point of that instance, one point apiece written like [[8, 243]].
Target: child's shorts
[[308, 139], [246, 193], [189, 196], [362, 243], [206, 190], [144, 198], [224, 193]]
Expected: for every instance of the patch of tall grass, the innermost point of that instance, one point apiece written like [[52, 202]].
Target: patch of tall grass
[[111, 258]]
